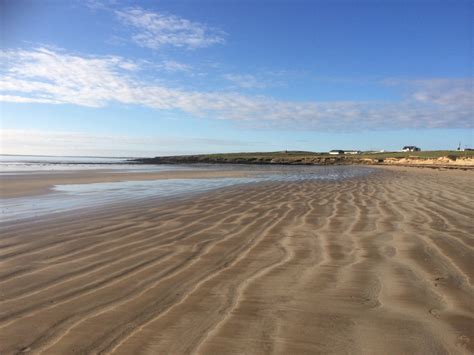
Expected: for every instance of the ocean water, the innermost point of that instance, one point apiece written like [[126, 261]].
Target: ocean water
[[37, 163], [65, 198]]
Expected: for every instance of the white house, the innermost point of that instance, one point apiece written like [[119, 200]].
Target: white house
[[410, 148], [341, 152]]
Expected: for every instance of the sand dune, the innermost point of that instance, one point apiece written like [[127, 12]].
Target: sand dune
[[380, 264]]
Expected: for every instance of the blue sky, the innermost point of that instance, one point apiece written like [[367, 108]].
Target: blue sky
[[123, 78]]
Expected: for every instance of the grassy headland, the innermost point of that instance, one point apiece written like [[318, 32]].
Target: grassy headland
[[439, 157]]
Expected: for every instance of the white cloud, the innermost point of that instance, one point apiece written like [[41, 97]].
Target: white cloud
[[22, 99], [44, 75], [174, 66], [441, 91], [56, 77], [246, 81], [19, 141], [455, 92], [154, 30], [261, 80], [99, 4]]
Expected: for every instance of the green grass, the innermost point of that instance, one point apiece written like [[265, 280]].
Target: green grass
[[433, 154], [303, 157], [292, 155], [264, 154]]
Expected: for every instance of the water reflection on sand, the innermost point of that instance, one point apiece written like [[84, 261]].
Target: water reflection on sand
[[79, 196]]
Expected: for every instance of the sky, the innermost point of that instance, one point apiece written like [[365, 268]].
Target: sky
[[149, 78]]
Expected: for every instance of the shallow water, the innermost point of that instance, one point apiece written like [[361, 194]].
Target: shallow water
[[79, 196], [10, 164]]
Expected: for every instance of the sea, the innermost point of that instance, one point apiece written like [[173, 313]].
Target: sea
[[37, 163]]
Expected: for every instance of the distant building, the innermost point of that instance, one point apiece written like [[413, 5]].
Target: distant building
[[410, 148], [340, 152]]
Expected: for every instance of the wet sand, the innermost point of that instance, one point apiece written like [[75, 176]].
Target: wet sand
[[16, 185], [379, 264]]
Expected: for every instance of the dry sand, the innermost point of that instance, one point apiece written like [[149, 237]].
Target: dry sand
[[376, 265]]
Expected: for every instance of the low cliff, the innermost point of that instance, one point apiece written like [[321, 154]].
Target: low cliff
[[309, 158]]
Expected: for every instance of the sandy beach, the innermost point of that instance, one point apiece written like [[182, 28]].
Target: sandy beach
[[370, 265], [38, 183]]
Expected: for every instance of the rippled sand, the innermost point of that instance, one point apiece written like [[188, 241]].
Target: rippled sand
[[40, 183], [377, 264]]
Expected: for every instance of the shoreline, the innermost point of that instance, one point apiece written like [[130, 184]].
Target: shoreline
[[372, 164], [32, 196], [39, 183], [35, 183]]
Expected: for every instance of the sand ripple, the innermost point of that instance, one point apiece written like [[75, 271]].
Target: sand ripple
[[374, 264]]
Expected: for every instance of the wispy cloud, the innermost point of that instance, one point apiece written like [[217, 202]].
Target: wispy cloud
[[262, 79], [20, 141], [50, 76], [441, 91], [99, 4], [246, 81], [56, 77], [155, 30], [174, 66]]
